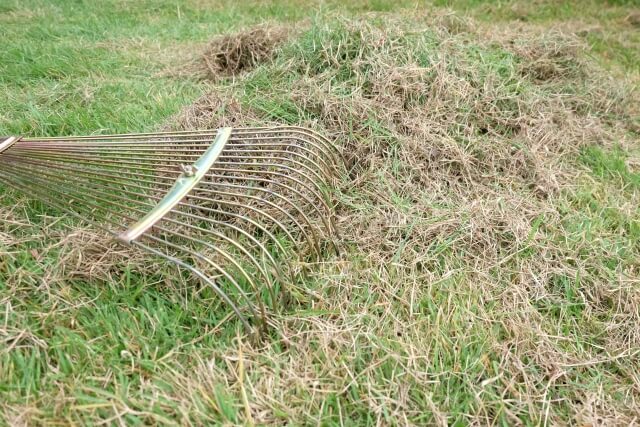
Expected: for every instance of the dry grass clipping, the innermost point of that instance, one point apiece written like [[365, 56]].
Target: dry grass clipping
[[232, 54]]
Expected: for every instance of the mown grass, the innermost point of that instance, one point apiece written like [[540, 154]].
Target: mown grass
[[423, 336]]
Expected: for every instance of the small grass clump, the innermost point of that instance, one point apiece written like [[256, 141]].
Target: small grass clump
[[232, 54]]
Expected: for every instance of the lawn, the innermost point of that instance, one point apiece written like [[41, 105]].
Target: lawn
[[489, 216]]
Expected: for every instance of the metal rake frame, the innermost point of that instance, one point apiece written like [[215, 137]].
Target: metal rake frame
[[231, 206]]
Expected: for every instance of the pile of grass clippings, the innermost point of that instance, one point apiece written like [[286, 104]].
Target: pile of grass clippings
[[488, 276]]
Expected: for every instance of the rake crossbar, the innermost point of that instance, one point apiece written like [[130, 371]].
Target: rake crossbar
[[7, 142], [191, 176], [235, 207]]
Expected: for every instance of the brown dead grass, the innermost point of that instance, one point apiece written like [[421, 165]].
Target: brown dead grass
[[232, 54]]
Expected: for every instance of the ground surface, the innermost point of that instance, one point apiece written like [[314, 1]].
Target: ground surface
[[489, 216]]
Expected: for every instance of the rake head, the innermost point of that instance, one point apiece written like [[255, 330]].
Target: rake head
[[232, 206]]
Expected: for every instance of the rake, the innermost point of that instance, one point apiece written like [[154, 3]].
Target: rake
[[233, 206]]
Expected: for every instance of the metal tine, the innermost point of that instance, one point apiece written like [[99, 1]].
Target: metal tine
[[329, 226], [218, 250], [152, 152], [285, 229], [291, 203], [278, 130], [276, 152], [232, 241], [202, 277], [118, 160], [151, 145], [218, 268], [263, 249], [312, 242], [294, 181], [261, 227], [160, 138], [96, 162], [115, 179], [294, 130], [109, 167], [320, 152], [104, 164], [108, 219]]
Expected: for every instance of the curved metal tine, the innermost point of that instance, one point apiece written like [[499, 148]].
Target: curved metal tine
[[137, 175], [213, 265], [303, 197], [243, 217], [236, 245], [88, 172], [72, 192], [202, 277], [126, 181], [127, 160], [263, 249], [292, 129], [176, 145], [91, 187], [317, 135], [140, 203], [320, 152], [312, 182], [276, 158], [139, 161], [173, 146], [311, 241], [124, 159], [275, 194], [225, 255], [202, 133], [139, 144], [260, 172], [285, 155]]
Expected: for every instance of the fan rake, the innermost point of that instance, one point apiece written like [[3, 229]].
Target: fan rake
[[232, 206]]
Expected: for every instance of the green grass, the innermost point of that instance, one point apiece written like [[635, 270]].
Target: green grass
[[134, 347]]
